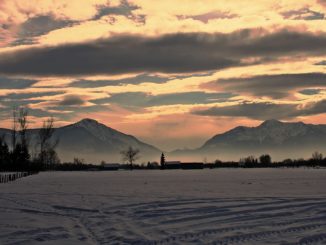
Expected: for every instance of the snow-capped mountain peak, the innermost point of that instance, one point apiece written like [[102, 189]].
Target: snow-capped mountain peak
[[87, 122], [271, 123]]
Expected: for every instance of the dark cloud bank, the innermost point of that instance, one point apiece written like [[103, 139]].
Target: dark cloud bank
[[265, 111], [274, 86], [174, 53]]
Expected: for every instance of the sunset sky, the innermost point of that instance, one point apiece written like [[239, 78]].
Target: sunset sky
[[172, 73]]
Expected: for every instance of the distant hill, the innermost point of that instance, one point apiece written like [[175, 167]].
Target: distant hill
[[93, 141], [280, 139]]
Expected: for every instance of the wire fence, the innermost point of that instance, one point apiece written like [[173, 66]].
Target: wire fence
[[8, 177]]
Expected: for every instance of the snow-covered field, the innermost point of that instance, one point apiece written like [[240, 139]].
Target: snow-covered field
[[221, 206]]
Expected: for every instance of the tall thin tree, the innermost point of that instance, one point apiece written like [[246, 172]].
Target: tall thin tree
[[14, 129], [23, 126], [47, 144]]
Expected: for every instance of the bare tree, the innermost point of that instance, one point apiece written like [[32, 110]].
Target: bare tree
[[20, 153], [317, 157], [14, 129], [130, 155], [45, 134], [47, 145], [23, 126]]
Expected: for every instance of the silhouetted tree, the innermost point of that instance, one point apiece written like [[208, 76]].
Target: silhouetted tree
[[316, 158], [23, 125], [4, 154], [130, 155], [287, 161], [162, 162], [47, 154], [265, 159], [20, 156], [248, 162], [14, 129], [78, 161], [217, 162]]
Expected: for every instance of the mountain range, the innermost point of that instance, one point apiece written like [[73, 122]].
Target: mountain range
[[279, 139], [94, 142]]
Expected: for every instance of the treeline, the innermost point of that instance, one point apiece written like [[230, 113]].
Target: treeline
[[265, 161], [76, 165], [17, 156]]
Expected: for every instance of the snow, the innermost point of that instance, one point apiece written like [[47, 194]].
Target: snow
[[98, 130], [220, 206]]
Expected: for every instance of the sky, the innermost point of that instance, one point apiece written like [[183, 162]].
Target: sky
[[172, 73]]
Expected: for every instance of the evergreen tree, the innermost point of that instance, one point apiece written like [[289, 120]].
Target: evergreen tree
[[20, 157], [162, 160], [4, 154]]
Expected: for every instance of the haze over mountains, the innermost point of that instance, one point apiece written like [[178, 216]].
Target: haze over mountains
[[94, 142], [280, 139]]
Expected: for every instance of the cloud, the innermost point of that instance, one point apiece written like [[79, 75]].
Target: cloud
[[206, 17], [303, 14], [70, 112], [36, 26], [72, 100], [140, 99], [321, 63], [173, 53], [12, 100], [322, 2], [264, 111], [310, 91], [24, 96], [314, 108], [115, 56], [258, 111], [124, 8], [6, 113], [274, 86], [142, 78], [10, 104], [24, 20], [8, 83]]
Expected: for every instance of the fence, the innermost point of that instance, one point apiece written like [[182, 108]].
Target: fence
[[8, 177]]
